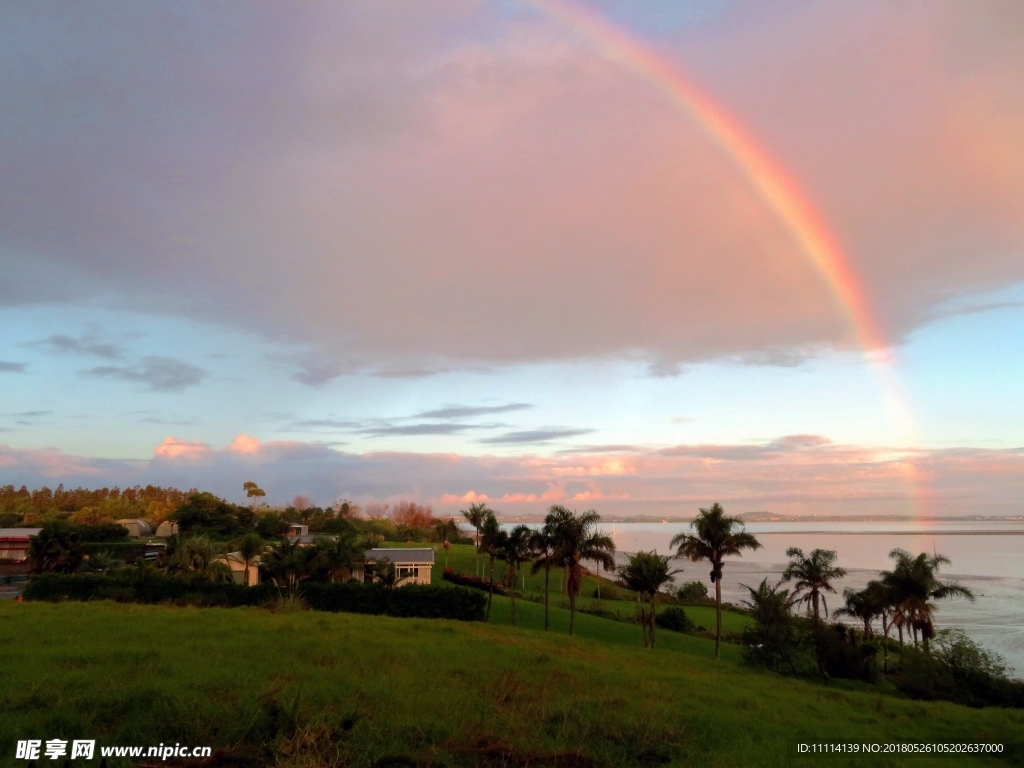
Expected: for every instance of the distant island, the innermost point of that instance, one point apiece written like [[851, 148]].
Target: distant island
[[771, 517]]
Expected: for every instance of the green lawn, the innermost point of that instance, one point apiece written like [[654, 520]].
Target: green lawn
[[315, 689]]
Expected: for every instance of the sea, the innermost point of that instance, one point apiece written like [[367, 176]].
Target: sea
[[986, 556]]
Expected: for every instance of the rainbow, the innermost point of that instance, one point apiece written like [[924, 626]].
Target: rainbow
[[816, 243]]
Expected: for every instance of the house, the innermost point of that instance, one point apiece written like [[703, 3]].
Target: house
[[412, 565], [14, 543], [236, 563], [136, 528], [166, 529], [297, 529]]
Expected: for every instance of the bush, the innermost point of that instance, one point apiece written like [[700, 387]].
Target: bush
[[595, 609], [675, 619], [133, 586], [958, 670], [10, 519], [607, 592], [692, 590], [105, 532], [473, 582], [411, 601]]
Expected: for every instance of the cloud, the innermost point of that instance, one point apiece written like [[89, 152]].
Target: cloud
[[8, 367], [434, 185], [788, 476], [156, 374], [534, 436], [428, 428], [466, 411], [83, 345]]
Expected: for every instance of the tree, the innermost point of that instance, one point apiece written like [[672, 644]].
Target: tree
[[646, 573], [335, 556], [814, 575], [773, 641], [544, 543], [715, 537], [475, 516], [55, 548], [913, 582], [514, 551], [287, 564], [205, 514], [492, 540], [249, 548], [445, 529], [254, 493], [577, 540], [198, 556]]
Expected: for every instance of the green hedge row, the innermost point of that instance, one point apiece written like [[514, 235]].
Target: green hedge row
[[144, 588], [413, 600]]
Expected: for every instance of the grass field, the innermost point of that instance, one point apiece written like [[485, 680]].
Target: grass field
[[314, 689]]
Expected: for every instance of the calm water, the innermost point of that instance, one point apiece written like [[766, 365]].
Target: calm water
[[986, 557]]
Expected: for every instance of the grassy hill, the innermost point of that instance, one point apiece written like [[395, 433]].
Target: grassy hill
[[312, 689]]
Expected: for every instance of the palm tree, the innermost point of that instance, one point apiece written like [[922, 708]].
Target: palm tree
[[55, 548], [913, 583], [646, 573], [475, 516], [287, 564], [544, 543], [715, 537], [492, 540], [857, 605], [515, 550], [577, 540], [249, 548], [773, 639], [813, 575]]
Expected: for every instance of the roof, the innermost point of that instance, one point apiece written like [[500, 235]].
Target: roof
[[402, 555], [310, 538], [18, 533]]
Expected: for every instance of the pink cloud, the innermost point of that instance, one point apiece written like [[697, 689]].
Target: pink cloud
[[244, 444], [173, 448]]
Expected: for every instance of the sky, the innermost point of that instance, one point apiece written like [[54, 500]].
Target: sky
[[458, 250]]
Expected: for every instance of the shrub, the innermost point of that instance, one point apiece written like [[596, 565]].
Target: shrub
[[595, 609], [135, 586], [473, 582], [411, 601], [607, 592], [105, 532], [692, 590], [958, 670], [675, 619]]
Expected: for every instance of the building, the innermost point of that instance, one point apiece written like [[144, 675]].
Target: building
[[14, 543], [136, 528], [166, 529], [234, 561], [412, 565], [297, 529]]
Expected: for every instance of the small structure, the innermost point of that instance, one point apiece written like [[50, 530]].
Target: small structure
[[412, 566], [136, 528], [14, 543], [297, 529], [166, 529], [236, 563]]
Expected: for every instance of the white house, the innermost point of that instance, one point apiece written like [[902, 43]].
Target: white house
[[412, 565]]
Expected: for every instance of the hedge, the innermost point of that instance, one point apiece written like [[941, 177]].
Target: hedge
[[425, 601], [474, 582], [144, 588], [414, 600]]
